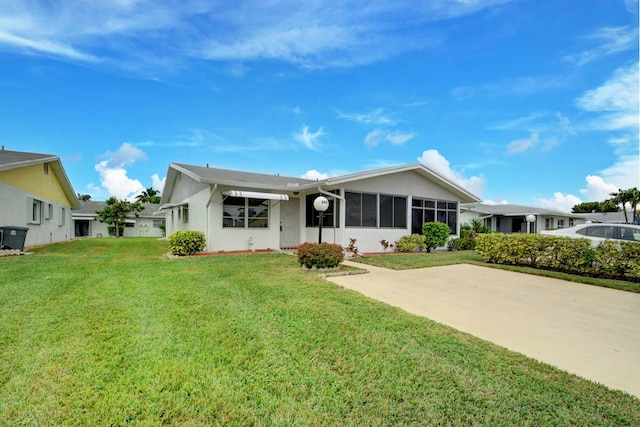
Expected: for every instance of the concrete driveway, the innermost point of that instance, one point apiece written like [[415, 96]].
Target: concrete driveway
[[586, 330]]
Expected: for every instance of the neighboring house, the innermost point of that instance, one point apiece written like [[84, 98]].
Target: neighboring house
[[86, 221], [243, 210], [36, 193], [513, 218]]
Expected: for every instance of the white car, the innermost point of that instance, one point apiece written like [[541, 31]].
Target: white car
[[599, 232]]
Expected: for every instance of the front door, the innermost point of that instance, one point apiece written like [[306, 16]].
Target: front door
[[289, 224]]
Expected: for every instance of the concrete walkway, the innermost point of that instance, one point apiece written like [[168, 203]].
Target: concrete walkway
[[590, 331]]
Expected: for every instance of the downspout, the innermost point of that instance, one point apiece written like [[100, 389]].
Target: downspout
[[206, 212]]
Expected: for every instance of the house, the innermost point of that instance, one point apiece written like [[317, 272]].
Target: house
[[145, 224], [35, 193], [248, 211], [513, 218]]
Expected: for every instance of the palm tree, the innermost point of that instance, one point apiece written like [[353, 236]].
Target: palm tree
[[149, 196], [622, 197], [634, 195]]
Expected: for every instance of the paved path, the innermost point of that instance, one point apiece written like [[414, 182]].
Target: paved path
[[590, 331]]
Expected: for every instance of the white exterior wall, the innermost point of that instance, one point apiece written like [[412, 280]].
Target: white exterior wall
[[408, 184], [16, 210]]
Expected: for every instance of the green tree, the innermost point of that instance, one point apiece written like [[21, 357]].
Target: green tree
[[436, 234], [84, 197], [149, 196], [594, 207], [116, 212]]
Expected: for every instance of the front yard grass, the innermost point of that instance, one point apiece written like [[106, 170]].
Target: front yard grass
[[112, 332], [403, 261]]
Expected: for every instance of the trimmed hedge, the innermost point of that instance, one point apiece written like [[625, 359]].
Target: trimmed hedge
[[435, 234], [186, 242], [608, 259], [320, 255]]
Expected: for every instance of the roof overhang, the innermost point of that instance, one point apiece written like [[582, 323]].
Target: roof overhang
[[255, 195]]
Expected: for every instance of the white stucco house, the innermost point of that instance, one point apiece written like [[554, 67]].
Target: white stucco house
[[239, 210], [513, 218], [35, 193], [144, 224]]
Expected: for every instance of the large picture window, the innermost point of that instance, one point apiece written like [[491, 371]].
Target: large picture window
[[429, 210], [329, 217], [242, 212]]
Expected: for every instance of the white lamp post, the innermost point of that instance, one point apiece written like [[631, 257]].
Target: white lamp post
[[530, 220], [320, 204]]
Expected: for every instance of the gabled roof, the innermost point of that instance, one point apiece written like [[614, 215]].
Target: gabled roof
[[18, 159], [513, 210], [419, 168], [88, 209], [268, 182]]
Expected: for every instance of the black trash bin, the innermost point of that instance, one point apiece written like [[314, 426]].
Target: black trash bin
[[13, 237]]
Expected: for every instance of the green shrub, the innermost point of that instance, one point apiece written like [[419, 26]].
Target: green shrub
[[413, 243], [461, 244], [320, 255], [186, 242], [436, 234], [608, 259]]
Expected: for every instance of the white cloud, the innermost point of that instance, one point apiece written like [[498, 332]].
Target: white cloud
[[314, 175], [561, 202], [113, 175], [520, 145], [309, 139], [157, 183], [376, 137], [495, 202], [309, 34], [375, 117], [436, 162]]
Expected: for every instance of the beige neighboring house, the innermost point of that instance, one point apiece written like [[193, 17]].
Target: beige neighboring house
[[513, 218], [239, 210], [35, 193], [86, 221]]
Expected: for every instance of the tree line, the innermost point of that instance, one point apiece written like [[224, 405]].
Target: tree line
[[619, 201]]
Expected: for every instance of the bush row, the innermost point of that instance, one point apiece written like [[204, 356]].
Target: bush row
[[320, 255], [608, 259], [186, 242]]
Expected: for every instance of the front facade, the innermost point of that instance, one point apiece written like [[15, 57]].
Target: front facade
[[248, 211], [145, 224], [519, 219], [35, 193]]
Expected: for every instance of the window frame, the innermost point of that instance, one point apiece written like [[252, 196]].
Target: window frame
[[245, 219]]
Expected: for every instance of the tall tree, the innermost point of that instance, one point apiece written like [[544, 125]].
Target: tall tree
[[634, 194], [116, 212], [622, 197]]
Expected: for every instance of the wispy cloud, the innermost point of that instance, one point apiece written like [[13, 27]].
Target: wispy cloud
[[376, 137], [520, 86], [546, 131], [375, 117], [609, 40], [145, 34], [520, 145], [309, 139]]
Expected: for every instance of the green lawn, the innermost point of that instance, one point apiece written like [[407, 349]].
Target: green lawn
[[400, 261], [112, 332]]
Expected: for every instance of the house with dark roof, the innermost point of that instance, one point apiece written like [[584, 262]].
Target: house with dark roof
[[35, 193], [250, 211], [86, 221], [508, 218]]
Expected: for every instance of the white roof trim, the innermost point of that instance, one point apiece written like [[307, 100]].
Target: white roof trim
[[255, 195]]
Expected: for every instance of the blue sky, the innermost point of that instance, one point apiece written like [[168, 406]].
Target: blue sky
[[522, 101]]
